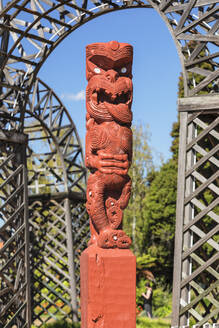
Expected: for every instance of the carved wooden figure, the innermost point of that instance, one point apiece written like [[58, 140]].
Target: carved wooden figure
[[108, 271], [108, 140]]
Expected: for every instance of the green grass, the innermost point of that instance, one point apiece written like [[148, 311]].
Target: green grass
[[141, 322], [61, 324], [144, 322]]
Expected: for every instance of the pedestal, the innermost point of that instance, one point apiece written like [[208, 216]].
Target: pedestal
[[108, 288]]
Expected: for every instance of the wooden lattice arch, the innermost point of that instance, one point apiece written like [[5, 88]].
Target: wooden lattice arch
[[30, 30]]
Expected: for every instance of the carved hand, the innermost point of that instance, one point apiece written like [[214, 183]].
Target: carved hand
[[113, 163]]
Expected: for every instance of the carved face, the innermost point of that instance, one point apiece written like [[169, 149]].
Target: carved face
[[109, 90]]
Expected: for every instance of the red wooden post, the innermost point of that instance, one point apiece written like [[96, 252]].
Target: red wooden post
[[108, 268]]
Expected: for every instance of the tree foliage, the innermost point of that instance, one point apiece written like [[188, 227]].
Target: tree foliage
[[155, 242], [150, 216], [134, 222], [160, 212]]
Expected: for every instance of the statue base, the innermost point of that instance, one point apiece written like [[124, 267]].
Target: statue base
[[108, 288]]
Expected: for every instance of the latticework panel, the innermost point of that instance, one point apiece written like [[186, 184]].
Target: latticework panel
[[50, 277], [197, 247], [54, 269], [81, 235], [56, 188], [56, 179], [14, 260], [205, 325], [54, 155]]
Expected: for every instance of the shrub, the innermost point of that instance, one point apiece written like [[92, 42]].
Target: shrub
[[162, 303], [62, 324]]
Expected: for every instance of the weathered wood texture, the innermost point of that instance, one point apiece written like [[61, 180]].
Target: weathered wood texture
[[58, 220], [108, 288], [206, 325], [199, 103], [59, 226], [196, 278], [14, 236], [30, 31], [55, 257]]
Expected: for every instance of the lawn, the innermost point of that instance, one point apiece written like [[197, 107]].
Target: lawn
[[142, 322]]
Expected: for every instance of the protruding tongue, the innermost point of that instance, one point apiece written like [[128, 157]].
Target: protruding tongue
[[120, 112], [99, 113]]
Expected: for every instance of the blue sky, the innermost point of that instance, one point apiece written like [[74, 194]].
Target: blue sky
[[156, 69]]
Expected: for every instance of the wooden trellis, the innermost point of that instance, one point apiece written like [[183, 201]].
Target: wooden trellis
[[30, 31], [53, 185], [54, 270], [196, 266], [56, 183], [14, 233]]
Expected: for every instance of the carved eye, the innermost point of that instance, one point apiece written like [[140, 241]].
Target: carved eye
[[123, 70], [97, 70]]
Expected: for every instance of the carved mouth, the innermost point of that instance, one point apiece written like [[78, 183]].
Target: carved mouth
[[100, 96]]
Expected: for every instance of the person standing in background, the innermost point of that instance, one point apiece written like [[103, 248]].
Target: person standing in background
[[148, 300]]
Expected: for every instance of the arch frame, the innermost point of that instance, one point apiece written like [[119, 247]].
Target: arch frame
[[194, 27], [53, 199]]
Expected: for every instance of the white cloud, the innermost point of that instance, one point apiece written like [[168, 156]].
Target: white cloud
[[74, 96]]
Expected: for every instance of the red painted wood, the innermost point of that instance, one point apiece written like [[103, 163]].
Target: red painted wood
[[108, 267], [108, 288], [108, 140]]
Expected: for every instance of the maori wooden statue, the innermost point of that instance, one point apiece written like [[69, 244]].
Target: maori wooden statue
[[108, 140], [108, 267], [30, 31]]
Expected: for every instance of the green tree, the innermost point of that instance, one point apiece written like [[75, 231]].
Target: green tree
[[160, 213], [142, 163]]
